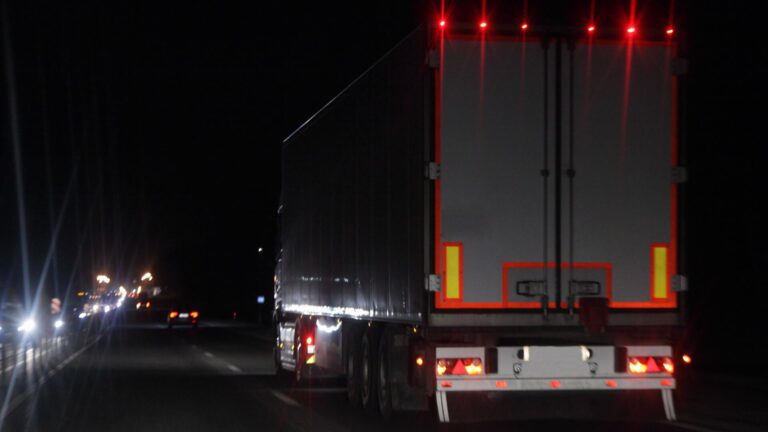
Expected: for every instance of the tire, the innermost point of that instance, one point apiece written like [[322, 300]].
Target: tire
[[298, 372], [353, 371], [368, 359], [384, 377]]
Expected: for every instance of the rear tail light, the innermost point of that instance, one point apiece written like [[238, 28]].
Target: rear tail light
[[173, 314], [462, 366], [194, 314], [310, 343], [641, 365]]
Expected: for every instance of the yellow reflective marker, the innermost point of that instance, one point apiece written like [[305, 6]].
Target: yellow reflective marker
[[660, 277], [452, 271]]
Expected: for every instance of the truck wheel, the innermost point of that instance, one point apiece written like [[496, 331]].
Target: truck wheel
[[353, 372], [298, 371], [384, 376], [368, 360]]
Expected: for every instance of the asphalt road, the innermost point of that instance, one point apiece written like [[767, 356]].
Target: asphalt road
[[219, 377]]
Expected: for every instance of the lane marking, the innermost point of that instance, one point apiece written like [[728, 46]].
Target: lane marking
[[284, 398], [207, 354], [234, 368]]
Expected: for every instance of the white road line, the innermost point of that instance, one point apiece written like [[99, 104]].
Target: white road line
[[234, 368], [207, 354], [285, 399], [20, 399]]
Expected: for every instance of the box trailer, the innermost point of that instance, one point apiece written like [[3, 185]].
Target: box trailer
[[484, 212]]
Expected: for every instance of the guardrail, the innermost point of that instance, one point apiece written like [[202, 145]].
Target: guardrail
[[27, 361]]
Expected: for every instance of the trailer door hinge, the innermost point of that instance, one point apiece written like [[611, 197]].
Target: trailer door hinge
[[679, 283], [679, 174], [433, 171], [433, 283], [433, 59]]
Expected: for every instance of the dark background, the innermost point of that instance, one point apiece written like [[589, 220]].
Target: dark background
[[150, 133]]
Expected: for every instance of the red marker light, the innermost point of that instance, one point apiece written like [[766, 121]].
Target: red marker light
[[309, 340], [524, 26], [670, 31], [419, 361], [483, 25], [555, 384], [631, 30], [442, 23], [687, 359], [591, 29]]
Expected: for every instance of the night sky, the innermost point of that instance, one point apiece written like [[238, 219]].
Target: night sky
[[150, 132]]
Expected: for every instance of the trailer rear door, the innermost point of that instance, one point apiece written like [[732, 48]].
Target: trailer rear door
[[501, 215]]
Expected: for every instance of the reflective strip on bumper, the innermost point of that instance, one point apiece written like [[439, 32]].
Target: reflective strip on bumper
[[515, 384]]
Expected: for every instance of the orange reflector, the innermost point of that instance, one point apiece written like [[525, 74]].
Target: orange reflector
[[311, 359], [419, 361], [611, 383], [659, 269], [687, 359], [446, 384], [173, 314], [501, 384], [666, 383], [555, 384], [194, 314]]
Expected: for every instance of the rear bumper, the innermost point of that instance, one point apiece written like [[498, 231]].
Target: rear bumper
[[496, 384]]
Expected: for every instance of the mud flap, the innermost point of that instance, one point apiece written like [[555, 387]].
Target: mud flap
[[441, 399], [669, 404]]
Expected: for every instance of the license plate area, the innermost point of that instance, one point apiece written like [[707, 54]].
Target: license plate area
[[556, 361]]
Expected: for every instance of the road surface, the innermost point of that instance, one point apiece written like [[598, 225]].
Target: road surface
[[219, 377]]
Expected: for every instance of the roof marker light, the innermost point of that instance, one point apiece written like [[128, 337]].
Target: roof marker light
[[442, 23], [670, 31], [631, 30], [591, 28], [524, 26], [483, 24]]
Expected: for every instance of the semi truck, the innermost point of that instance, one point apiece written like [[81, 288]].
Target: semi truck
[[490, 212]]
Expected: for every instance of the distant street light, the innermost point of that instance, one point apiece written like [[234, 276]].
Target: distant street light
[[261, 250], [146, 276], [102, 279]]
